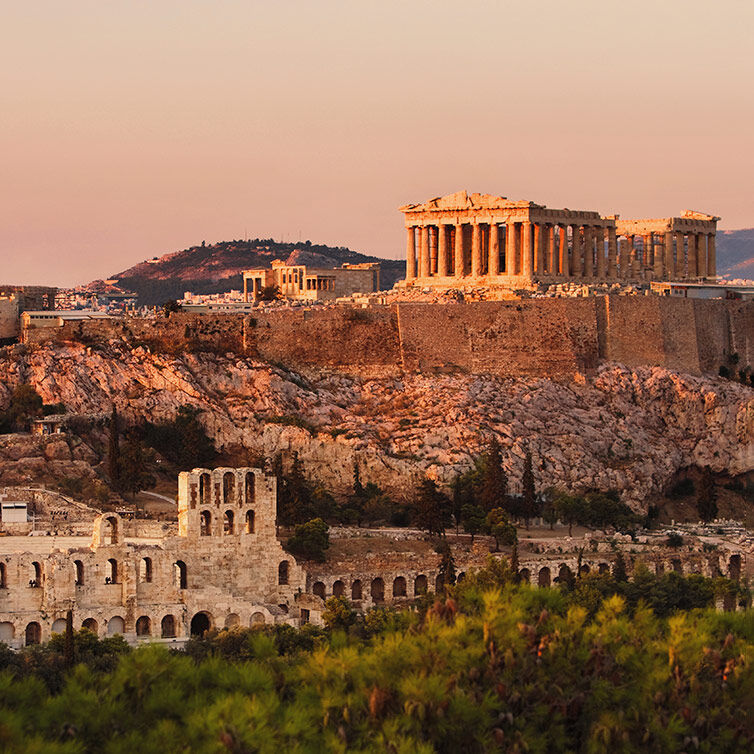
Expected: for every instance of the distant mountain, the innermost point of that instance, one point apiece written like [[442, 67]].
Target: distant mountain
[[735, 253], [217, 268]]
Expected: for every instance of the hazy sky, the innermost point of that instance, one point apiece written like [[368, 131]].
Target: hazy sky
[[130, 129]]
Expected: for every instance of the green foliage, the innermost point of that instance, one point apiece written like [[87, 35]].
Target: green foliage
[[498, 525], [339, 614], [447, 569], [171, 306], [674, 540], [113, 449], [474, 520], [25, 404], [432, 508], [135, 464], [596, 510], [529, 506], [183, 441], [298, 499], [310, 540]]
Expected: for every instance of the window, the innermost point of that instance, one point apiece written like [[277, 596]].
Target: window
[[36, 576], [78, 572], [356, 592], [205, 489], [283, 573], [144, 626], [111, 571], [304, 615], [167, 627], [228, 523], [145, 570], [181, 575], [249, 522], [229, 487], [250, 487], [3, 581], [205, 523], [33, 634]]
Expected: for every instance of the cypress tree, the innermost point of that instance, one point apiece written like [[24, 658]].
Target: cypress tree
[[494, 492], [68, 647], [530, 495], [113, 452]]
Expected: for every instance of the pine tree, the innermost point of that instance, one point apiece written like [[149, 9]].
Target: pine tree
[[68, 648], [432, 508], [530, 495], [135, 463], [706, 500], [494, 492], [113, 453]]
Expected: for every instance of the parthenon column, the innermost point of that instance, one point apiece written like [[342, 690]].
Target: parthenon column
[[551, 255], [432, 231], [711, 260], [577, 259], [511, 252], [442, 250], [476, 250], [600, 252], [701, 255], [410, 253], [493, 262], [588, 251], [669, 264], [526, 249], [539, 249], [680, 257], [423, 251], [659, 259], [633, 259], [459, 267], [624, 258], [612, 253], [563, 267], [691, 256]]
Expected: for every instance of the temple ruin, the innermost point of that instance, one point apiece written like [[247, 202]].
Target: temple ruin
[[483, 239]]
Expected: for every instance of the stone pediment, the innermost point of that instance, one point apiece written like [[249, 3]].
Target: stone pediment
[[690, 214], [462, 200]]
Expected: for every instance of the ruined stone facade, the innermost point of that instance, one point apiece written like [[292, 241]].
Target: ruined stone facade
[[480, 238]]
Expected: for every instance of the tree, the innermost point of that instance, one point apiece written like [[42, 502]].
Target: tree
[[338, 614], [706, 500], [494, 487], [182, 440], [473, 520], [619, 567], [498, 525], [269, 293], [135, 464], [25, 404], [171, 306], [529, 502], [113, 450], [432, 508], [446, 572], [310, 540], [568, 509], [69, 650]]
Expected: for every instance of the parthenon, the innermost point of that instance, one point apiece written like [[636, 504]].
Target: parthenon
[[466, 237]]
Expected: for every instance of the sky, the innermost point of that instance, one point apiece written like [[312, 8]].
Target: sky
[[133, 129]]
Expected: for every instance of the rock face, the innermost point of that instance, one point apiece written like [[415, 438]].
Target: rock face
[[625, 429]]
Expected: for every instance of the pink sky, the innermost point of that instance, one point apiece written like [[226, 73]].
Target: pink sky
[[133, 129]]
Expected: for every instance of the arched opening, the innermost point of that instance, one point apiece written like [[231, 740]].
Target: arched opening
[[232, 620], [399, 586], [584, 570], [167, 627], [3, 577], [91, 625], [283, 573], [205, 489], [603, 568], [565, 575], [110, 531], [421, 585], [439, 584], [338, 588], [205, 524], [144, 626], [356, 591], [58, 626], [677, 565], [377, 590], [78, 571], [111, 571], [228, 523], [461, 576], [181, 574], [319, 589], [116, 625], [249, 522], [734, 567], [251, 489], [543, 579], [7, 632], [36, 576], [256, 619], [145, 570], [525, 575], [200, 624], [229, 488], [33, 634], [729, 603]]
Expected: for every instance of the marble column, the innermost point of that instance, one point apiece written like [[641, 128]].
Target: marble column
[[588, 251], [669, 271], [539, 248], [711, 257], [459, 266], [658, 257], [624, 258], [410, 253], [612, 253], [423, 252], [691, 245], [701, 255], [442, 251], [526, 249], [493, 262], [476, 250], [577, 254], [510, 249], [552, 255], [680, 257], [563, 266], [633, 260], [432, 231], [600, 252]]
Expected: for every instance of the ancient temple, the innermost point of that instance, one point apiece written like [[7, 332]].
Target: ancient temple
[[480, 238]]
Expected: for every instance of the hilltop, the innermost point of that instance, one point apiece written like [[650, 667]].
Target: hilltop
[[735, 253], [217, 267]]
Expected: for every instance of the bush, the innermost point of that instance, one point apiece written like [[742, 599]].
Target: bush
[[310, 540]]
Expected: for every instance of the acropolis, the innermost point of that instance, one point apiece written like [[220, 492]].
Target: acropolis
[[481, 238]]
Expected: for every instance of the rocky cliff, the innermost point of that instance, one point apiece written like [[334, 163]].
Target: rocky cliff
[[630, 429]]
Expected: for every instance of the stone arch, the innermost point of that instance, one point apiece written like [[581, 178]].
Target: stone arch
[[205, 524], [110, 530], [3, 577], [232, 620], [116, 625], [7, 631], [250, 487], [544, 577], [525, 575], [201, 623], [439, 584], [33, 634], [228, 520], [356, 590], [603, 568], [421, 585], [58, 626], [677, 565], [229, 488], [91, 625], [205, 489], [144, 626], [319, 589], [338, 588], [461, 576], [399, 586], [734, 567], [145, 570], [167, 627], [584, 570], [181, 574], [78, 573], [283, 573], [250, 523], [565, 574], [111, 571], [37, 575], [257, 618], [377, 590]]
